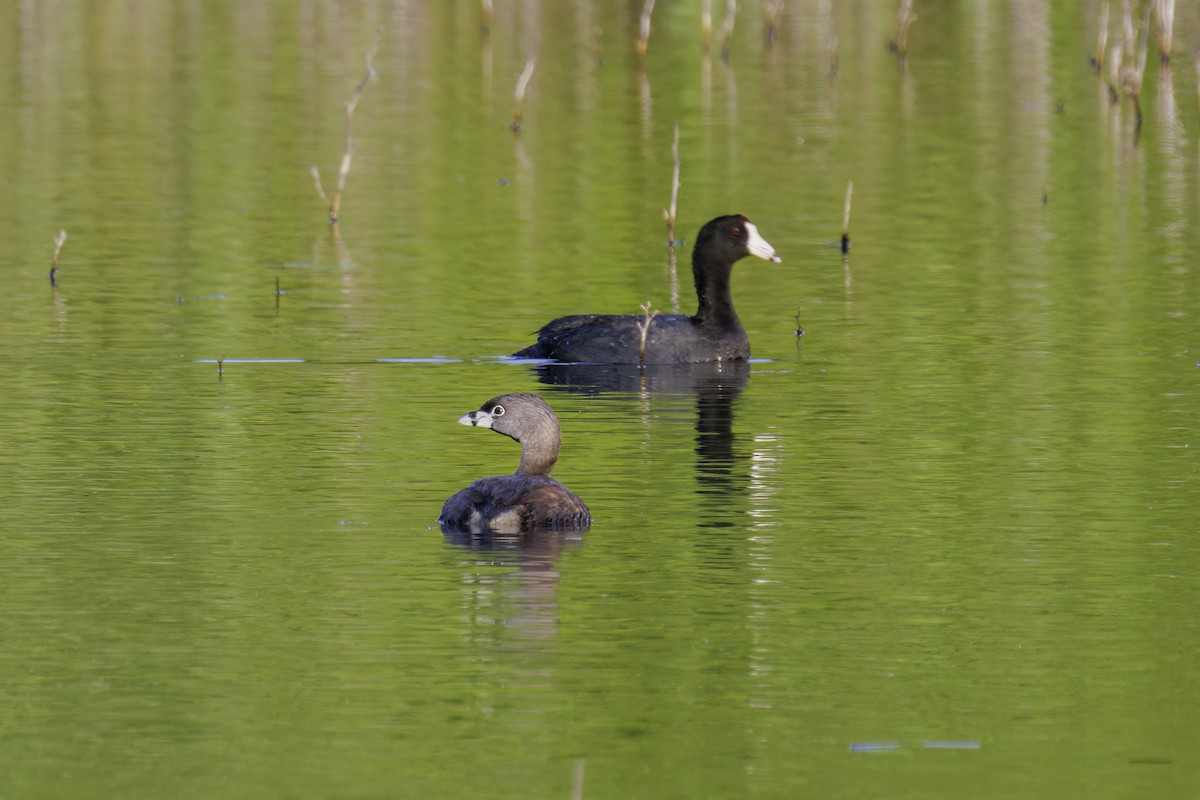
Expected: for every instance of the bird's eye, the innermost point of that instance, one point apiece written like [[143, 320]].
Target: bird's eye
[[736, 230], [498, 411]]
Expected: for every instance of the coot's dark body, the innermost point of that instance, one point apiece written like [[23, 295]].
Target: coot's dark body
[[529, 499], [713, 333]]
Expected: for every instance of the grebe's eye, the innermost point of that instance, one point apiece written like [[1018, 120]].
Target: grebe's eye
[[498, 411]]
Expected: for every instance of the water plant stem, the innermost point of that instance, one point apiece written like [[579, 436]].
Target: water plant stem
[[59, 241], [519, 95]]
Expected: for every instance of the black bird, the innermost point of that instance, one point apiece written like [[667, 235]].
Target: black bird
[[713, 333], [530, 499]]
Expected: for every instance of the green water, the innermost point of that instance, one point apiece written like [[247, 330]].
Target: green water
[[960, 510]]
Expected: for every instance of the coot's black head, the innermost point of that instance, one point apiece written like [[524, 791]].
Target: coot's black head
[[729, 238]]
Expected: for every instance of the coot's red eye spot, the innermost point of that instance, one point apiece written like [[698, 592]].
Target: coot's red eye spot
[[736, 230]]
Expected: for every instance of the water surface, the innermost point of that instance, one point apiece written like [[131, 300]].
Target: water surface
[[944, 542]]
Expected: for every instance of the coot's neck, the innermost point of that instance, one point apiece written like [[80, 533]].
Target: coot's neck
[[712, 289], [539, 450]]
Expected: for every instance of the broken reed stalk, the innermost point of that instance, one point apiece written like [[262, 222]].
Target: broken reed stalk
[[772, 16], [519, 95], [1164, 14], [1114, 72], [669, 212], [643, 42], [846, 218], [1196, 63], [335, 205], [59, 241], [648, 314], [904, 18], [706, 24], [344, 170], [727, 27], [1101, 41], [485, 27], [1131, 77], [220, 367], [799, 328], [1127, 37]]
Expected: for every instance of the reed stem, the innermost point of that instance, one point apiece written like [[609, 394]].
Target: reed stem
[[519, 95], [648, 315], [905, 17], [669, 212], [1164, 14], [335, 204], [727, 27], [59, 241], [1101, 41], [772, 16], [846, 218], [643, 42]]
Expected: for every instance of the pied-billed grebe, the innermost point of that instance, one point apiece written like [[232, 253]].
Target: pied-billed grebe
[[714, 333], [530, 499]]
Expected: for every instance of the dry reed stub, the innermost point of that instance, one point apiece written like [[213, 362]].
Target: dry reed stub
[[669, 212], [706, 25], [772, 11], [1164, 15], [1097, 59], [335, 204], [727, 27], [799, 331], [845, 246], [485, 24], [905, 17], [643, 41], [1131, 76], [59, 241], [1196, 64], [648, 315], [519, 96]]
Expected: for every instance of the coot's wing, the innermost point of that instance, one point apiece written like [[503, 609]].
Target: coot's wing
[[603, 338]]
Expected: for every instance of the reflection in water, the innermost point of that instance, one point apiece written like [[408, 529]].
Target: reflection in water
[[522, 599], [716, 386]]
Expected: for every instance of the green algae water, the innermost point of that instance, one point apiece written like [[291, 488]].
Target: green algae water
[[944, 544]]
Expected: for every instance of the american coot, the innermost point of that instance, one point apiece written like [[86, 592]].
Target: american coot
[[530, 499], [714, 333]]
